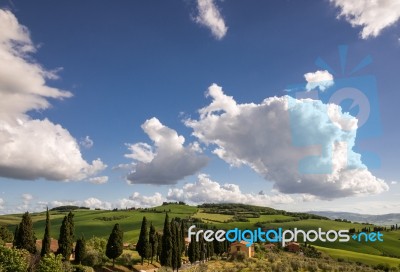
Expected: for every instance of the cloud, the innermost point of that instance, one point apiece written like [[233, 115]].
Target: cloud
[[321, 80], [27, 197], [31, 148], [26, 201], [205, 190], [273, 138], [91, 202], [86, 142], [2, 202], [393, 182], [210, 16], [94, 203], [372, 16], [138, 200], [168, 161], [99, 180]]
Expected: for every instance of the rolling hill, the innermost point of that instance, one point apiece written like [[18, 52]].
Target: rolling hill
[[100, 223]]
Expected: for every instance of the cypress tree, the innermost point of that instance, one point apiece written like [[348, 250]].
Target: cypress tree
[[201, 249], [66, 238], [153, 240], [46, 238], [115, 244], [166, 251], [80, 250], [16, 241], [159, 246], [191, 251], [175, 243], [198, 250], [210, 250], [143, 246], [26, 237], [178, 250], [182, 237]]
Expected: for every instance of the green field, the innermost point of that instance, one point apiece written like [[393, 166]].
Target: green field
[[99, 223], [359, 257]]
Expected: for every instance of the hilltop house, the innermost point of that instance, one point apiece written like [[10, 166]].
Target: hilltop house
[[293, 247], [241, 247]]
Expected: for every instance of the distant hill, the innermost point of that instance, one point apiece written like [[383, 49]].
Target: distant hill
[[383, 219]]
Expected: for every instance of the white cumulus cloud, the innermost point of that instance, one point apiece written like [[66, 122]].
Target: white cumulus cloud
[[321, 80], [2, 202], [32, 148], [168, 161], [99, 180], [372, 15], [210, 16], [287, 140], [137, 200], [205, 190]]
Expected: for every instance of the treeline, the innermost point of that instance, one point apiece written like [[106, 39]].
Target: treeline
[[24, 255], [241, 212], [68, 208], [170, 246]]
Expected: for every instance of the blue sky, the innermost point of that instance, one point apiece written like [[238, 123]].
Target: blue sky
[[131, 78]]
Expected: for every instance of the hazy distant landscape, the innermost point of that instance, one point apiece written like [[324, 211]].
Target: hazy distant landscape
[[382, 219]]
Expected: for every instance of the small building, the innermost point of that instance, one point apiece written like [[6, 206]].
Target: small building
[[293, 247], [242, 247], [53, 245]]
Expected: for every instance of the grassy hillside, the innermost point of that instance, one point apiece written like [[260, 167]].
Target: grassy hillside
[[359, 257], [100, 223]]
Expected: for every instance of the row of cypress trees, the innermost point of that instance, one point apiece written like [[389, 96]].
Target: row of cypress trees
[[170, 246], [24, 238], [167, 248]]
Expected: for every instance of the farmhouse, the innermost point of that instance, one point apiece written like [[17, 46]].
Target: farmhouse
[[241, 247], [53, 245], [293, 247]]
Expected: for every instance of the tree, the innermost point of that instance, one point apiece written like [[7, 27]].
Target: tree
[[176, 246], [80, 250], [143, 246], [191, 251], [182, 237], [6, 235], [153, 240], [46, 238], [115, 244], [159, 246], [25, 238], [166, 251], [15, 241], [66, 238]]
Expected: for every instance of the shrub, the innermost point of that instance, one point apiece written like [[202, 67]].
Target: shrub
[[240, 256], [82, 268], [125, 259], [93, 258], [15, 260], [51, 263]]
